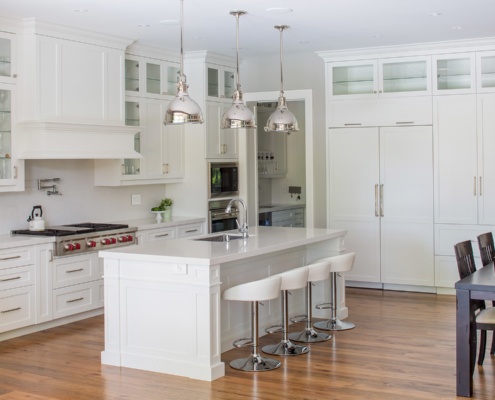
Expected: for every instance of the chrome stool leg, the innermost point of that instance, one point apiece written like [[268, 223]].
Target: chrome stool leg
[[285, 347], [333, 324], [254, 362], [309, 335]]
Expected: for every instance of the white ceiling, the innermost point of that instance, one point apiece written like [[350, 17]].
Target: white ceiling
[[314, 24]]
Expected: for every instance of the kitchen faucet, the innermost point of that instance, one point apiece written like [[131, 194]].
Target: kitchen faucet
[[244, 228]]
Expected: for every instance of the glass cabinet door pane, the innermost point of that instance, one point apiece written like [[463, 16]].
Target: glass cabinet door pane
[[153, 78], [172, 79], [454, 74], [132, 75], [229, 83], [5, 134], [355, 79], [132, 166], [213, 82], [488, 72], [5, 57], [404, 77]]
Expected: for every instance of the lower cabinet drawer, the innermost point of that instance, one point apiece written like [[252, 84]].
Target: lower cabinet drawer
[[17, 308], [75, 270], [11, 278], [77, 298], [189, 230], [158, 234], [16, 256]]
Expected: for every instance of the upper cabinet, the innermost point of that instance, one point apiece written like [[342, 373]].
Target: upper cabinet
[[7, 59], [485, 64], [220, 82], [454, 73], [220, 143], [150, 78], [405, 76]]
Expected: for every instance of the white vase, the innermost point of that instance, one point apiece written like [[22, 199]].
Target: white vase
[[167, 214]]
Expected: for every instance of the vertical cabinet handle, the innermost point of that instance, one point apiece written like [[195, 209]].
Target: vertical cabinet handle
[[376, 200], [481, 186], [381, 201], [15, 172], [474, 186]]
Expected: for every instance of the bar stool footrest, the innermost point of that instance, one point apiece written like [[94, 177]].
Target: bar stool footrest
[[243, 342], [274, 329], [299, 318], [324, 306]]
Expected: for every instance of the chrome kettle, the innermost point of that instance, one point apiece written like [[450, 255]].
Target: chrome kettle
[[36, 223]]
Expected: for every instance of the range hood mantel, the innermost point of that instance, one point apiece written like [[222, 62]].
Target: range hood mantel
[[64, 140]]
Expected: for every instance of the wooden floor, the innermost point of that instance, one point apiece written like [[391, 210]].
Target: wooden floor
[[403, 347]]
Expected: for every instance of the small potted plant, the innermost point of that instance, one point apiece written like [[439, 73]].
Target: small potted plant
[[163, 210]]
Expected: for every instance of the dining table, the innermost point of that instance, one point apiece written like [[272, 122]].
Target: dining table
[[480, 285]]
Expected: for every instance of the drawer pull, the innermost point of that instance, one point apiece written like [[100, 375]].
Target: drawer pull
[[10, 279], [353, 124], [404, 122], [191, 230], [69, 271], [162, 235], [74, 300], [9, 258], [12, 309]]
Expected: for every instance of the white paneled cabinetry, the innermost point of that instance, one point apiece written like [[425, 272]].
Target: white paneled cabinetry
[[220, 143]]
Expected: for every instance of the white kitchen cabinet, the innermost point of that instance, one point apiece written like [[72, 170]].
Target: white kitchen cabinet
[[162, 147], [11, 168], [454, 73], [395, 77], [220, 143], [8, 67], [272, 154], [381, 191], [190, 230], [220, 82], [149, 235], [150, 77], [464, 167], [293, 218], [485, 71]]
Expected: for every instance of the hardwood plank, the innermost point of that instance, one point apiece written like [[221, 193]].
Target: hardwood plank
[[403, 347]]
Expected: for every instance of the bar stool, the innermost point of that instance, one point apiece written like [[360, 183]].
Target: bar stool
[[261, 290], [341, 263], [293, 279], [318, 271]]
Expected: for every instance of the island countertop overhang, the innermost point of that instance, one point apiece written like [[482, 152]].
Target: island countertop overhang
[[262, 240]]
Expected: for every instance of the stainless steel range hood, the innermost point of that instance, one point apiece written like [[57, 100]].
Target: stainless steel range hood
[[67, 140]]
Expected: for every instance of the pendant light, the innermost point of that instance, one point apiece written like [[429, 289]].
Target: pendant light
[[182, 109], [281, 120], [238, 115]]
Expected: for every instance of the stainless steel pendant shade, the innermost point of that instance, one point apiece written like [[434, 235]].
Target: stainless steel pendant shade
[[182, 109], [238, 115], [281, 120]]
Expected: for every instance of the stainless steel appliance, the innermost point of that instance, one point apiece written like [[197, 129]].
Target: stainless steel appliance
[[223, 179], [219, 220], [85, 237]]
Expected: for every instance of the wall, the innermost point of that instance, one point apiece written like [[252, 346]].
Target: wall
[[302, 71], [81, 201]]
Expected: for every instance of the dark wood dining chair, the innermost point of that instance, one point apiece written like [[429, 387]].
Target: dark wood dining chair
[[485, 244], [485, 317]]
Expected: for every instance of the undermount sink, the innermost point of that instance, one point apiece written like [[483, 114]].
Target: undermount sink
[[224, 237]]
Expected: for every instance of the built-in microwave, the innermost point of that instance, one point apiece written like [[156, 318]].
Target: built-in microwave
[[223, 179]]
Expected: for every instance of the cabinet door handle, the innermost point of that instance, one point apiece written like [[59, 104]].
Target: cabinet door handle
[[9, 258], [381, 201], [15, 172], [481, 186], [164, 169], [474, 186], [70, 271], [376, 200], [404, 122], [354, 124], [10, 279], [191, 230], [74, 300], [162, 235], [12, 309]]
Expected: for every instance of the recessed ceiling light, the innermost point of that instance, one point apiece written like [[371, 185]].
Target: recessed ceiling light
[[169, 22], [279, 10], [457, 28], [144, 25], [376, 35], [434, 14], [79, 10]]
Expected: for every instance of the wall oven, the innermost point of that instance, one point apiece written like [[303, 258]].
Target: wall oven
[[218, 219], [223, 179]]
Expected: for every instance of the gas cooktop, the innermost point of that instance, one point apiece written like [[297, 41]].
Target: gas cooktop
[[73, 229]]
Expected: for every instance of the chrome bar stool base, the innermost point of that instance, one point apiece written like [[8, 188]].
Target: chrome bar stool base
[[336, 325], [255, 363], [309, 335], [285, 348]]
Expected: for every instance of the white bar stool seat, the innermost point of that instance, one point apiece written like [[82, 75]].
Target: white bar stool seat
[[294, 279], [341, 263], [318, 271], [261, 290]]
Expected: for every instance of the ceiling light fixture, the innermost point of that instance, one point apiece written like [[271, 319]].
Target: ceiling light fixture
[[182, 109], [281, 120], [238, 115]]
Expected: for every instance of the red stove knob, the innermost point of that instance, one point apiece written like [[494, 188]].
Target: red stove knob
[[104, 242], [129, 238], [91, 243], [122, 239], [113, 240], [69, 247], [77, 246]]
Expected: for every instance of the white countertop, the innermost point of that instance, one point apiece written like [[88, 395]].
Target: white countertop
[[279, 207], [262, 240], [150, 223], [7, 240]]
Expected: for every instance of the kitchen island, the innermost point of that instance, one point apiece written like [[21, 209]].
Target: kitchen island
[[163, 306]]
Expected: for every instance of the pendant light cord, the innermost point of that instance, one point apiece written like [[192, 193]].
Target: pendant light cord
[[281, 29], [181, 41], [237, 14]]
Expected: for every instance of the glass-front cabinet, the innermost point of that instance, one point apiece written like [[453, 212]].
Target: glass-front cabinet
[[485, 64], [7, 61], [132, 118], [150, 78], [220, 82], [454, 74], [406, 76]]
